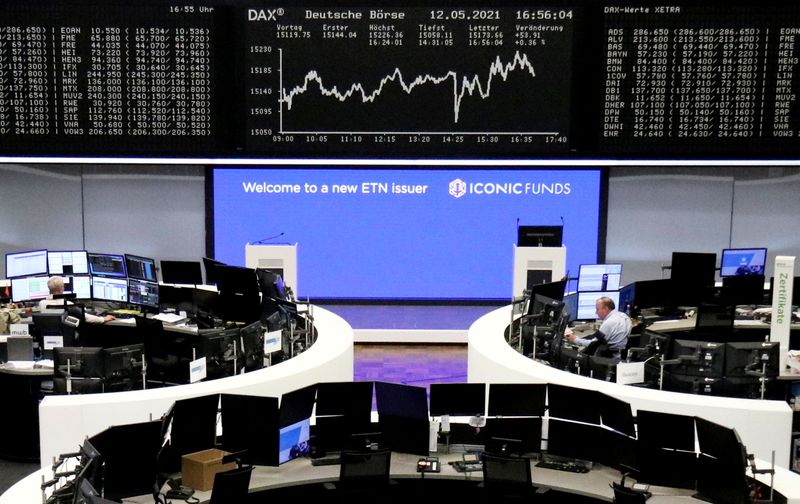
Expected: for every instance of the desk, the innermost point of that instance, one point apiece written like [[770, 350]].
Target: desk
[[66, 420], [594, 484], [763, 425]]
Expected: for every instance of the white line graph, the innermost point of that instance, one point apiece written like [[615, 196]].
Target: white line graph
[[468, 85]]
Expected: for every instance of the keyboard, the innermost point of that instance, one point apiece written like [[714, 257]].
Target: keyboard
[[563, 466], [468, 466], [326, 460]]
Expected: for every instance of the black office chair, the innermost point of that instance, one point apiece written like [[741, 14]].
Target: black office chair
[[231, 486], [364, 471], [508, 478], [625, 495]]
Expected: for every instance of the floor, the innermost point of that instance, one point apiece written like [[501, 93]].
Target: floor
[[417, 365]]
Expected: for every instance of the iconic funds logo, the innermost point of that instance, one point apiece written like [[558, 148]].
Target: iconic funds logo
[[458, 188]]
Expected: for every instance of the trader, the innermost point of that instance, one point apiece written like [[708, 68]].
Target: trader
[[612, 336], [56, 286]]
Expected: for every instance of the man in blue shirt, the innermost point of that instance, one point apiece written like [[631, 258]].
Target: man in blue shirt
[[613, 331]]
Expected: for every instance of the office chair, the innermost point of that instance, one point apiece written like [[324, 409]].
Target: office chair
[[231, 486], [507, 477], [625, 495], [364, 471]]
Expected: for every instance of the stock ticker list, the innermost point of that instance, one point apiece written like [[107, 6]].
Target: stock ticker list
[[424, 80], [688, 76], [116, 77]]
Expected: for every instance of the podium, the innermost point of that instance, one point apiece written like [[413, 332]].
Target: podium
[[282, 259], [535, 265]]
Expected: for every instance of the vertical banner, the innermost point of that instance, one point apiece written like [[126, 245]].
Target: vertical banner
[[782, 305]]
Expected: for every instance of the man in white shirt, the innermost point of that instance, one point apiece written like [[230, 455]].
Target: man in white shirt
[[613, 331], [56, 287]]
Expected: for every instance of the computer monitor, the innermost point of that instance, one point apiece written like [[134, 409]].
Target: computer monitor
[[220, 348], [108, 265], [692, 384], [737, 262], [80, 362], [516, 436], [599, 277], [297, 405], [714, 321], [123, 367], [665, 430], [517, 399], [350, 399], [143, 293], [571, 306], [250, 428], [616, 414], [459, 399], [110, 289], [67, 262], [707, 358], [398, 400], [141, 268], [271, 284], [238, 294], [29, 289], [81, 286], [545, 310], [692, 277], [30, 263], [210, 265], [402, 418], [641, 295], [572, 403], [128, 452], [539, 236], [752, 359], [723, 445], [587, 301], [553, 290], [181, 272], [571, 440], [252, 340], [743, 290], [294, 440]]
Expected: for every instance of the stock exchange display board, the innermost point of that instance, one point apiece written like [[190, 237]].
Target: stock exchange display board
[[248, 79]]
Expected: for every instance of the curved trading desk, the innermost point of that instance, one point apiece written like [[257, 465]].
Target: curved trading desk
[[64, 421], [763, 426], [299, 473]]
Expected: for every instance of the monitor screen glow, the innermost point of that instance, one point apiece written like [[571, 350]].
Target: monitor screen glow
[[294, 440], [109, 265], [110, 289], [81, 286], [29, 289], [30, 263], [588, 300], [68, 262], [743, 262], [599, 277]]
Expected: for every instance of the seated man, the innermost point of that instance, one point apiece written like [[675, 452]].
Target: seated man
[[613, 333], [56, 286]]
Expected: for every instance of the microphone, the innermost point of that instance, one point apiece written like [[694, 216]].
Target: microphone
[[268, 238]]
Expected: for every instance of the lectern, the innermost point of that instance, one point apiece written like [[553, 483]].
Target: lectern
[[282, 259], [535, 265]]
